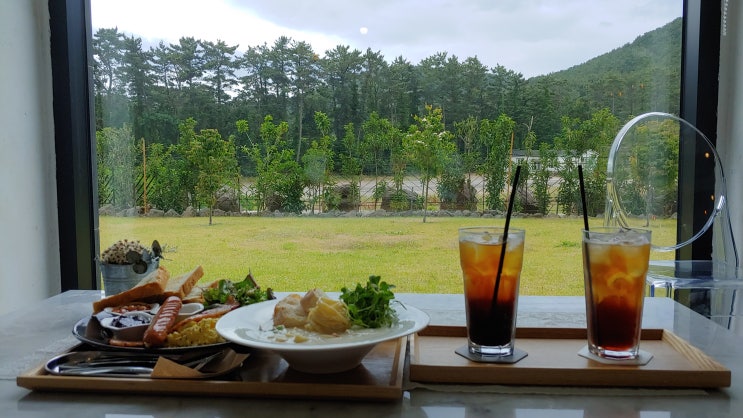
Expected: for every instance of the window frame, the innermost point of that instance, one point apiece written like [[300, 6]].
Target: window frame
[[700, 69], [74, 136], [71, 52]]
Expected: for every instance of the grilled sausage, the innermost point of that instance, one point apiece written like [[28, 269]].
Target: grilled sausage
[[157, 333]]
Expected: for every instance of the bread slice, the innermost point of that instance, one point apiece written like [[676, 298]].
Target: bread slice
[[149, 287], [195, 295], [197, 292], [181, 285]]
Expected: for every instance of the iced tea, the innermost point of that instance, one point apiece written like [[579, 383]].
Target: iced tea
[[615, 263], [490, 326]]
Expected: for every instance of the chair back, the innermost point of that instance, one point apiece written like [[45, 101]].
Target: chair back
[[643, 186]]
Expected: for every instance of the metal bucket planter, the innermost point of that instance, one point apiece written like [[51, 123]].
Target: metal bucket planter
[[120, 277]]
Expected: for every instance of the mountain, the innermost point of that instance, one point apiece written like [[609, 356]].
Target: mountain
[[660, 48], [639, 77]]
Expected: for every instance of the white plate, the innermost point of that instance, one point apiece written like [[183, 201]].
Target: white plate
[[252, 326]]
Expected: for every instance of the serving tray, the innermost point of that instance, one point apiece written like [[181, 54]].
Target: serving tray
[[263, 374], [553, 360]]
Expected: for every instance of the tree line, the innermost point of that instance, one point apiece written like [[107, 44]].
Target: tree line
[[290, 118]]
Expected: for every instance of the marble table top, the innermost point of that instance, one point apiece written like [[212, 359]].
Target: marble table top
[[42, 330]]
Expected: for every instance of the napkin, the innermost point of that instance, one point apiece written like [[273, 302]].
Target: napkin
[[228, 361]]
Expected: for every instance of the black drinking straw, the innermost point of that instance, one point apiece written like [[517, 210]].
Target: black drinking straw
[[589, 282], [505, 236], [583, 196]]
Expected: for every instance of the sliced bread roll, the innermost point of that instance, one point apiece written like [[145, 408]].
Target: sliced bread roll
[[182, 285], [148, 288], [289, 312], [310, 299]]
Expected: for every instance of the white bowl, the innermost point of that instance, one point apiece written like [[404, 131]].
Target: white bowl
[[133, 307], [129, 326], [252, 326], [187, 309]]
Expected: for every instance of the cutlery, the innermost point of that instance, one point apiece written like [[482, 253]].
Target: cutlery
[[200, 363], [111, 363], [88, 371]]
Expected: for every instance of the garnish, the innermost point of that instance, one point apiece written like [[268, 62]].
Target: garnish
[[245, 292], [369, 306]]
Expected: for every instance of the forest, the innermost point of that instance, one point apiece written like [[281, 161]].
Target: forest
[[178, 124]]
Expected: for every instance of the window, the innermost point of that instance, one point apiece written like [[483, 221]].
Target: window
[[75, 124]]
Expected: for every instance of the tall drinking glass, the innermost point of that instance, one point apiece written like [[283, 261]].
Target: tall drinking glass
[[490, 309], [615, 263]]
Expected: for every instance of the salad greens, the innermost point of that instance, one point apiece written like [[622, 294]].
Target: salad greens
[[245, 292], [369, 306]]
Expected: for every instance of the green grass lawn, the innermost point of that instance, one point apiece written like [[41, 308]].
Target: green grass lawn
[[299, 253]]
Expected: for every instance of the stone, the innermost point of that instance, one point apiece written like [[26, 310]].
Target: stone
[[155, 213], [347, 197], [406, 198], [107, 210], [227, 201]]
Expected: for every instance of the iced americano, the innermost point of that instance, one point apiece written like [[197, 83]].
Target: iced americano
[[615, 263], [490, 326]]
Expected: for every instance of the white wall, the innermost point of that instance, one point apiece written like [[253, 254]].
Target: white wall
[[29, 246], [730, 122]]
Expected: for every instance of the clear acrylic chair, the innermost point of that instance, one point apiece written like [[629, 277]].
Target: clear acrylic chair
[[642, 192]]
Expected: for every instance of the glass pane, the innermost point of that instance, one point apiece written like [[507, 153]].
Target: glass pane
[[315, 145]]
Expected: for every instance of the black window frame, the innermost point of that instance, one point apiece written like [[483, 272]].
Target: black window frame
[[74, 136], [71, 51], [700, 69]]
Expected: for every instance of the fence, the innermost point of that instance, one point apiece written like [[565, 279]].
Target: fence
[[412, 186], [560, 195]]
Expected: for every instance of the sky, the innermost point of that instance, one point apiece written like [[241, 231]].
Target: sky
[[531, 37]]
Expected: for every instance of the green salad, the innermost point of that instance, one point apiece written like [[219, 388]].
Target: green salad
[[370, 306], [245, 292]]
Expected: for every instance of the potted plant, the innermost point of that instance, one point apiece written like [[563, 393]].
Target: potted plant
[[125, 263]]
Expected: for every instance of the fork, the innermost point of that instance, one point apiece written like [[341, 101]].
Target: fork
[[200, 363]]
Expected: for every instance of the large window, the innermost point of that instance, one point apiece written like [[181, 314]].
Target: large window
[[339, 112]]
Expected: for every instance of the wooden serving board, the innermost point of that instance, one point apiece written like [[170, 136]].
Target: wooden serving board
[[263, 374], [553, 360]]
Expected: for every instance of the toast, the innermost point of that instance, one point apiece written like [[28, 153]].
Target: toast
[[195, 295], [148, 288], [182, 285]]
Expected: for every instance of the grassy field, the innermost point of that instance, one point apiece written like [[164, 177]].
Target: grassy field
[[299, 253]]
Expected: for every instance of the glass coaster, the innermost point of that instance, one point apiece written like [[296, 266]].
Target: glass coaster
[[643, 358], [513, 358]]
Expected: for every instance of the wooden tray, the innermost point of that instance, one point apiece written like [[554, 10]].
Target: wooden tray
[[263, 374], [553, 361]]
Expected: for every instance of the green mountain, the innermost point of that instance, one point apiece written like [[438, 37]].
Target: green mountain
[[639, 77], [658, 49]]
